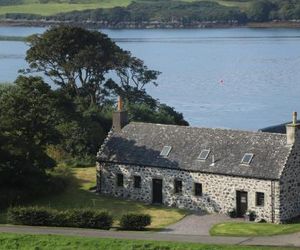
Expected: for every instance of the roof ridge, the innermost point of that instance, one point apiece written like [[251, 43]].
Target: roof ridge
[[222, 129]]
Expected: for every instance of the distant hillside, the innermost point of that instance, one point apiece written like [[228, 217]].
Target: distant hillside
[[150, 13], [52, 7]]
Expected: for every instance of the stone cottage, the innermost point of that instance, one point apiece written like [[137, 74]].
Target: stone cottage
[[216, 170]]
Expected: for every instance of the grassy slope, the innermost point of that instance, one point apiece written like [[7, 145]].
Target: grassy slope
[[26, 242], [252, 229], [32, 7], [78, 196], [54, 8]]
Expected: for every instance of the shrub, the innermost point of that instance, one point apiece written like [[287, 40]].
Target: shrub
[[135, 221], [39, 216], [32, 216], [232, 213], [89, 218]]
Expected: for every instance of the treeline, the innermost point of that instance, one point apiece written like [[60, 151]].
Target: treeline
[[41, 127], [270, 10], [145, 12], [170, 13]]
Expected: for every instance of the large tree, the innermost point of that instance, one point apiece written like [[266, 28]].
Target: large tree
[[27, 125], [75, 59]]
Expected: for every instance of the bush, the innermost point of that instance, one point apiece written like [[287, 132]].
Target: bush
[[39, 216], [135, 221], [232, 213], [32, 216], [89, 218]]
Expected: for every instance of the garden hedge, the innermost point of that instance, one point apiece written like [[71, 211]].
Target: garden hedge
[[133, 221]]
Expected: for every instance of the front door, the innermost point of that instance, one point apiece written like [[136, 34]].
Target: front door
[[241, 203], [157, 191]]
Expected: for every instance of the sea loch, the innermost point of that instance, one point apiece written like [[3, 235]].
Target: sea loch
[[233, 78]]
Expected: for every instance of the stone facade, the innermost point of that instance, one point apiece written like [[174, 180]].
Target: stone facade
[[269, 184], [290, 184], [218, 191]]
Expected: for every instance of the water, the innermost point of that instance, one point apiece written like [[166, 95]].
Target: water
[[231, 78]]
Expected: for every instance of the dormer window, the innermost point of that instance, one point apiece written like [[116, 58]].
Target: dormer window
[[203, 155], [165, 151], [247, 158]]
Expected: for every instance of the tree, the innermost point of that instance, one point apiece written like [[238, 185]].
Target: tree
[[259, 10], [134, 76], [75, 59], [27, 125]]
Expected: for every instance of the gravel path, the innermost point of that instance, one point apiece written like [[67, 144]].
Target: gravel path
[[195, 224]]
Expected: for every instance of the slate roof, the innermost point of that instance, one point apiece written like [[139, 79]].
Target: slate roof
[[141, 144]]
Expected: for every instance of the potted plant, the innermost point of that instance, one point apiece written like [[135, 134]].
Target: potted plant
[[251, 215], [232, 213]]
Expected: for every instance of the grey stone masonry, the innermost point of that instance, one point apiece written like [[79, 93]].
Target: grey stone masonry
[[290, 184], [218, 191], [269, 184]]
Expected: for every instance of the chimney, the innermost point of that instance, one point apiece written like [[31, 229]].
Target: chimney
[[120, 117], [292, 130]]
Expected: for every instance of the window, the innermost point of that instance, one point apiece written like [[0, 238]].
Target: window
[[137, 181], [247, 159], [198, 189], [204, 154], [120, 180], [165, 151], [260, 199], [178, 186]]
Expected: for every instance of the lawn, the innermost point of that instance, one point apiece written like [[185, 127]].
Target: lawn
[[52, 8], [252, 229], [77, 195], [26, 242]]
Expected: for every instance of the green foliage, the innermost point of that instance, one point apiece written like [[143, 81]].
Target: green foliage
[[27, 125], [161, 113], [260, 10], [75, 59], [39, 126], [160, 10], [41, 216], [133, 221], [232, 213], [50, 242]]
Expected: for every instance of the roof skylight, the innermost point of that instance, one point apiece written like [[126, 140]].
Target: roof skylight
[[165, 151], [203, 155], [247, 158]]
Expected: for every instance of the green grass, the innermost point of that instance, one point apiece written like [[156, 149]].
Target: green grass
[[52, 8], [252, 229], [78, 196], [55, 8], [51, 242]]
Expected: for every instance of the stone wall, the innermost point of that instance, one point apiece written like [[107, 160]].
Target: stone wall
[[219, 191], [290, 184]]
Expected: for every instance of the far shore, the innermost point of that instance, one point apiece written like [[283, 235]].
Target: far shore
[[152, 25]]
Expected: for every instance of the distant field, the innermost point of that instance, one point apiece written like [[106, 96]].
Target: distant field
[[48, 9], [31, 7]]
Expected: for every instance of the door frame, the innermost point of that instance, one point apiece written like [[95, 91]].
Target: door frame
[[161, 180], [240, 211]]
